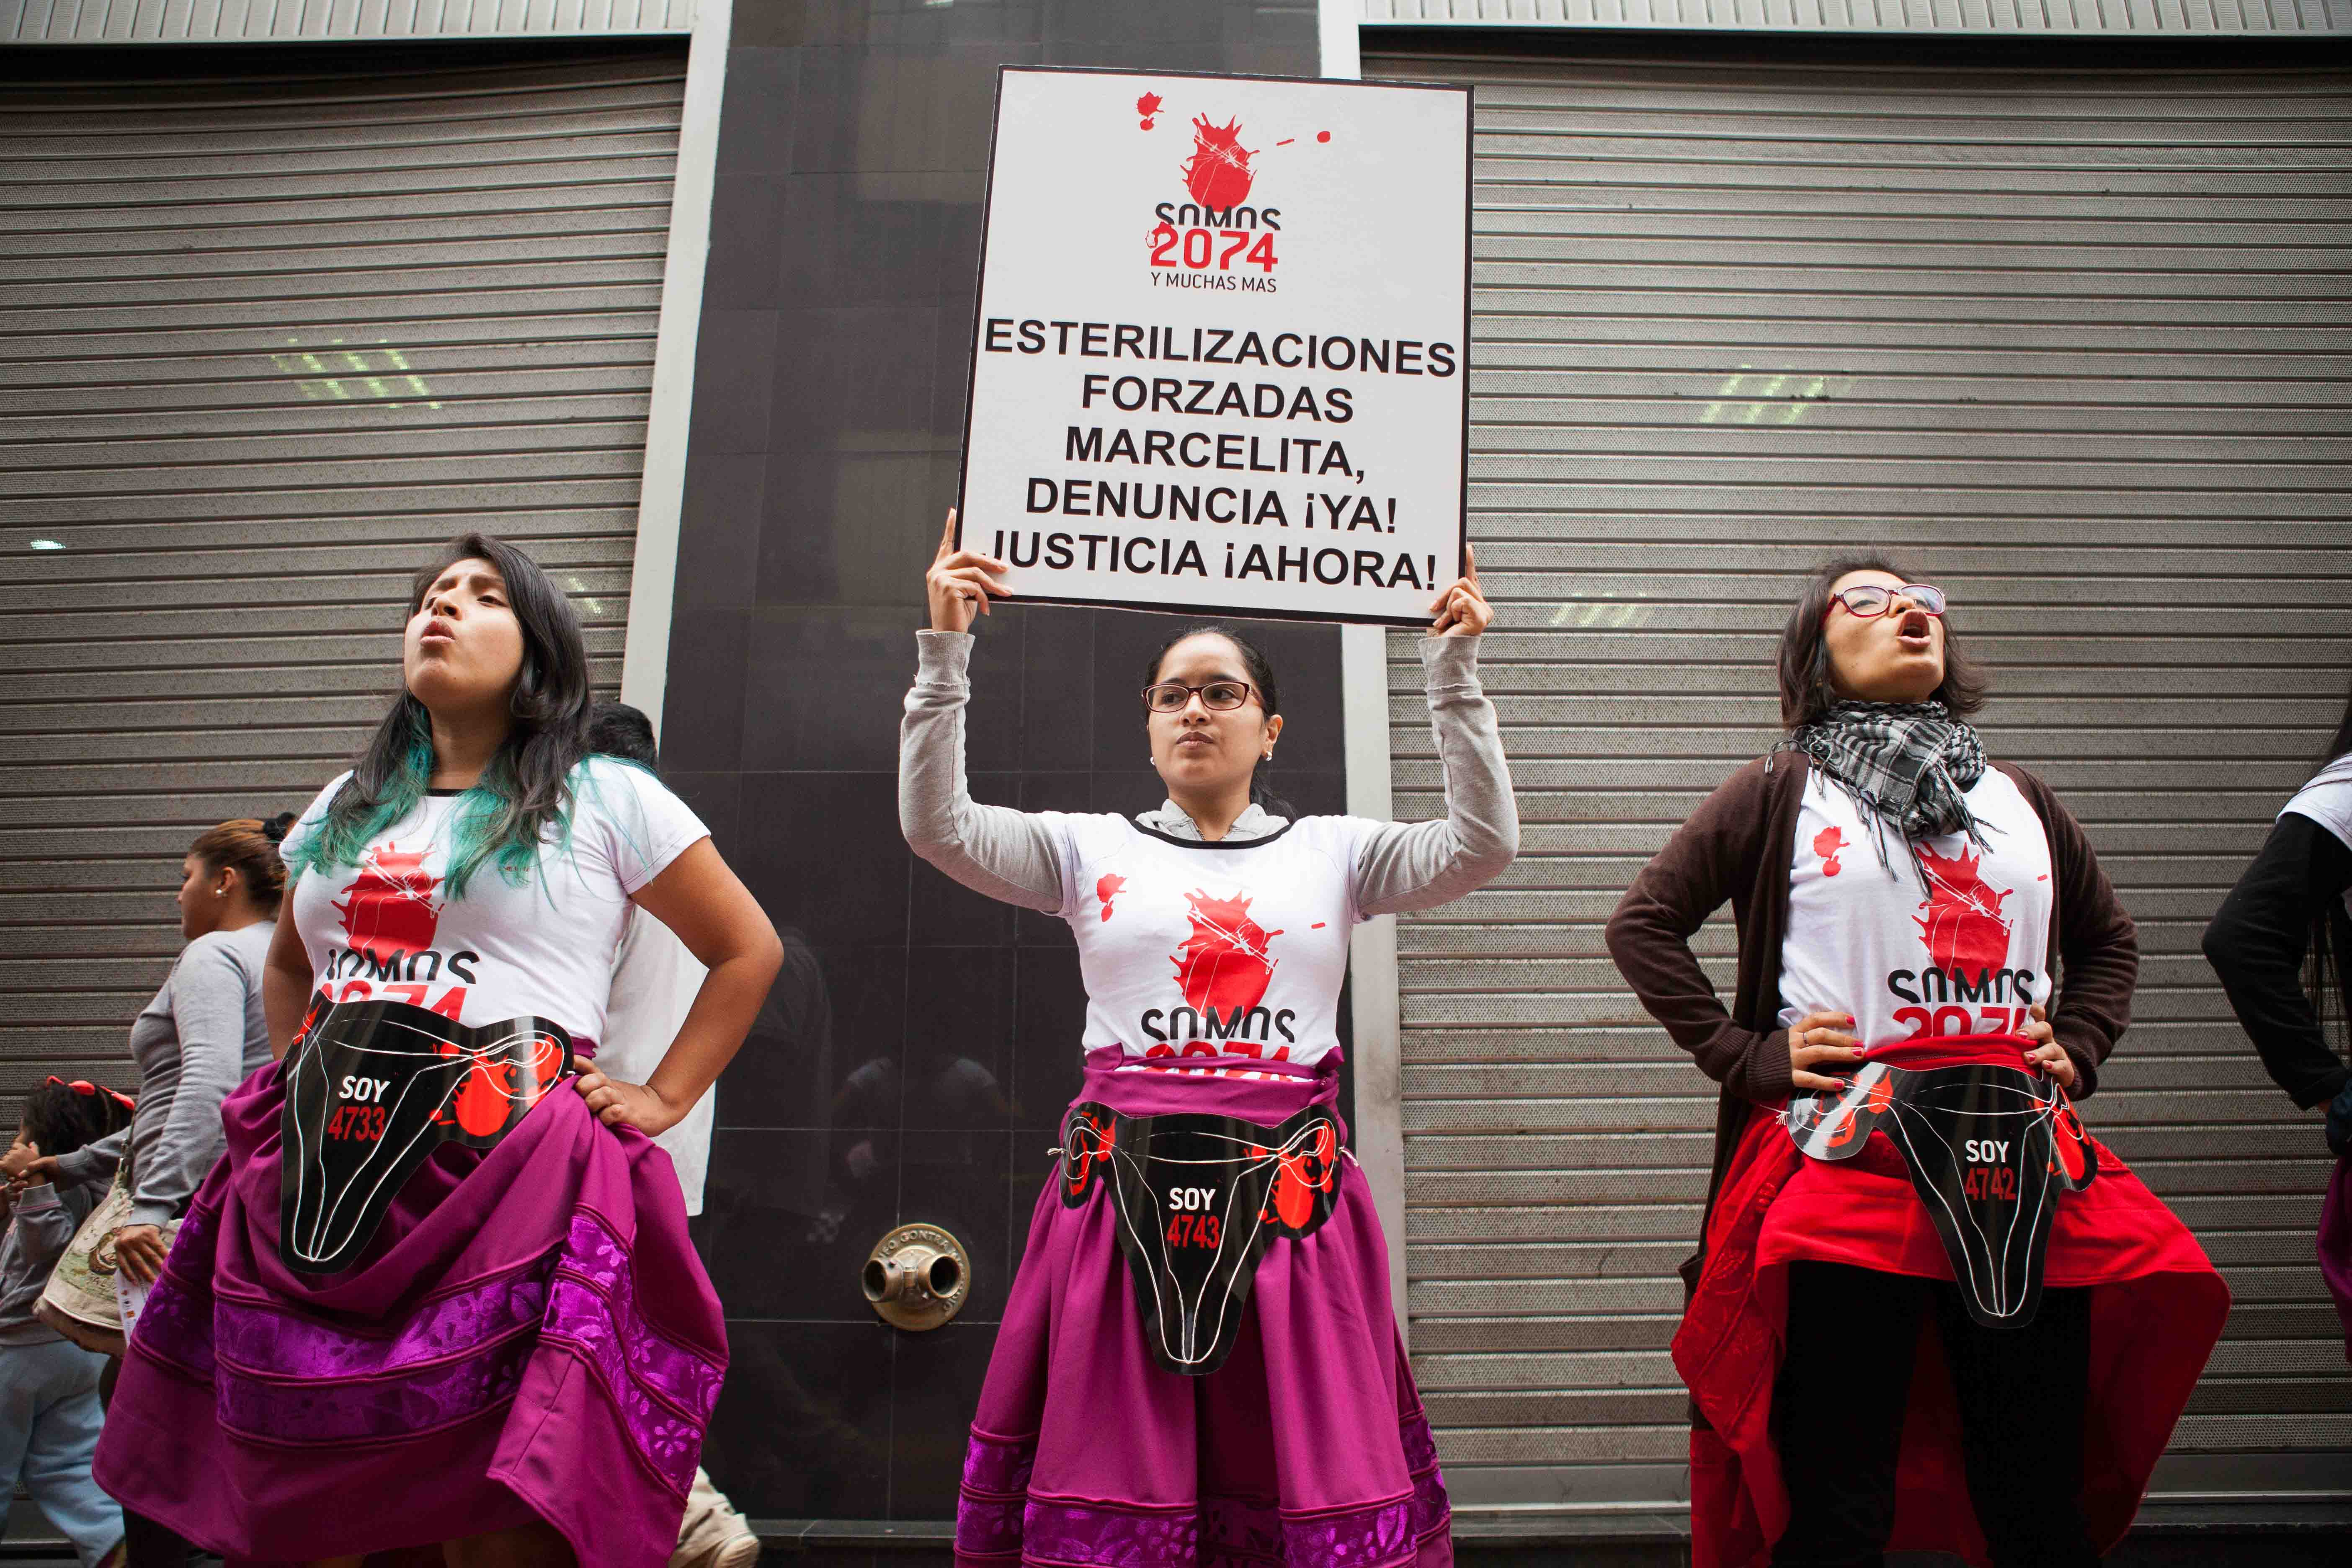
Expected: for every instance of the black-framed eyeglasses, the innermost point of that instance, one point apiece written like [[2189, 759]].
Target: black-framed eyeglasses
[[1868, 599], [1217, 696]]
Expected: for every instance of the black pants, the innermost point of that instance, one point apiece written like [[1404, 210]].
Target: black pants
[[1845, 1384]]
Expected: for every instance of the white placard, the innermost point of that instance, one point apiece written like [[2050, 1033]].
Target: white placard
[[1219, 361]]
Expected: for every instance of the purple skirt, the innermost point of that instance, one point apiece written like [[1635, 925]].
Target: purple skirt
[[2336, 1245], [528, 1336], [1308, 1448]]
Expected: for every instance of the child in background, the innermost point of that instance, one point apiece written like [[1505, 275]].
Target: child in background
[[48, 1386]]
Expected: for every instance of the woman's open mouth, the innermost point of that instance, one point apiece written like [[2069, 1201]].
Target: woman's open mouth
[[1913, 633]]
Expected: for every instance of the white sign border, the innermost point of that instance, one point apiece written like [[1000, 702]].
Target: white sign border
[[979, 297]]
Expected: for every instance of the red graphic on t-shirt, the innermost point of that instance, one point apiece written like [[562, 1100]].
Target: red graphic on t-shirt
[[1963, 928], [1826, 844], [1107, 889], [389, 907], [1218, 174], [1148, 106], [1222, 965]]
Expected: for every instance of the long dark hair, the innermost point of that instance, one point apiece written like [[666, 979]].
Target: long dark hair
[[60, 1117], [1807, 690], [1260, 670], [2328, 974], [527, 787]]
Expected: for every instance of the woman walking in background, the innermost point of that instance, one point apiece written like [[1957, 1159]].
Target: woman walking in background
[[202, 1034], [430, 1293], [1926, 946], [1244, 1395], [2290, 909]]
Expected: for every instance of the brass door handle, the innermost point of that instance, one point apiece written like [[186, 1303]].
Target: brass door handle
[[917, 1278]]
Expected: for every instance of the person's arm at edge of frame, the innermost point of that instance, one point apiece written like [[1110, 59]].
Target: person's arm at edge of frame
[[2258, 942]]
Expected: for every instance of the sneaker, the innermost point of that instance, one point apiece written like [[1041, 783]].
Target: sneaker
[[712, 1534]]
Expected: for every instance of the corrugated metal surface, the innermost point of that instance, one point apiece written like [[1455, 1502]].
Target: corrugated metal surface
[[263, 339], [328, 21], [2105, 18], [2080, 344]]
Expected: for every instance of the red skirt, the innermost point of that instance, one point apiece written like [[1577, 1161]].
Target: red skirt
[[2156, 1310]]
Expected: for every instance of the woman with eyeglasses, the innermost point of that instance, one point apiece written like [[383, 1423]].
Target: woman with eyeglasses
[[1200, 1357], [1928, 1312], [2282, 943]]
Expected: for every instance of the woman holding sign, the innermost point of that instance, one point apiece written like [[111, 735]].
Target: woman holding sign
[[1199, 1358], [430, 1292], [1916, 1266]]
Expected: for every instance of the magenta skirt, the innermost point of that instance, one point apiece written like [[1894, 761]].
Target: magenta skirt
[[1308, 1448], [528, 1336], [2336, 1245]]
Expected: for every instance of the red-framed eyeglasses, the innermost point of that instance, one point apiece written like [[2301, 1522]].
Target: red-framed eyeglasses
[[1867, 600]]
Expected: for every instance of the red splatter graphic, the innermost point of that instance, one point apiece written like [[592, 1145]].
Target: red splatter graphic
[[1298, 1177], [1222, 964], [389, 907], [1963, 928], [1322, 136], [1105, 889], [1826, 844], [1218, 174], [1148, 106], [492, 1096]]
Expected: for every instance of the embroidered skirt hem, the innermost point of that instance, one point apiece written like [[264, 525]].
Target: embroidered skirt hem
[[530, 1335]]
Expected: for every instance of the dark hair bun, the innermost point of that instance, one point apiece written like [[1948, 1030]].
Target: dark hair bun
[[276, 828]]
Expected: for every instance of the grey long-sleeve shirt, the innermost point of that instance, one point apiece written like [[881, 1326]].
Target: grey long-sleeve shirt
[[46, 1218], [198, 1039], [1010, 855]]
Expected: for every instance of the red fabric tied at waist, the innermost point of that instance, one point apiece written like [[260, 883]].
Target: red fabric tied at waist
[[2156, 1311]]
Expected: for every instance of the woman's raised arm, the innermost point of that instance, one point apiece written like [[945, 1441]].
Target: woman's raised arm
[[1420, 865], [1005, 854]]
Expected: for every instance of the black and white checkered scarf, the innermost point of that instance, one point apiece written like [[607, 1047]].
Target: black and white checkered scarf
[[1907, 766]]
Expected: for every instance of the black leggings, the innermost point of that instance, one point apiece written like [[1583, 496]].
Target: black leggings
[[1845, 1384]]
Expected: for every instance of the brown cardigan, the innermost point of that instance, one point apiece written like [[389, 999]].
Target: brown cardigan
[[1739, 845]]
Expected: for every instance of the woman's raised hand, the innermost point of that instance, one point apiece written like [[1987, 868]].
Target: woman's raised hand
[[960, 582], [1462, 611], [1821, 1039]]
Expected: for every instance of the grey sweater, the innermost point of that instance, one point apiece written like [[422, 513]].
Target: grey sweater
[[1009, 855], [46, 1218], [197, 1040]]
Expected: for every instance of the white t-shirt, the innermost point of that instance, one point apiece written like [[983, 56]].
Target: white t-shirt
[[1963, 955], [386, 929], [655, 982], [1211, 950], [2328, 801]]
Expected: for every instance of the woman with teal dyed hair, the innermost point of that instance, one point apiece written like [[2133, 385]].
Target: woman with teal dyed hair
[[433, 1293]]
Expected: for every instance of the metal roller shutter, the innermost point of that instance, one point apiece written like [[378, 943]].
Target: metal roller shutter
[[271, 322], [2076, 339]]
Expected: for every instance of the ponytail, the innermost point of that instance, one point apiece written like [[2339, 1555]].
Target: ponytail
[[248, 846]]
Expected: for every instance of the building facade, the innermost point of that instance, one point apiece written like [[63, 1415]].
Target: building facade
[[2049, 300]]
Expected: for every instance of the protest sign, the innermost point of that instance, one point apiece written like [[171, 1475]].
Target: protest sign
[[1219, 361]]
